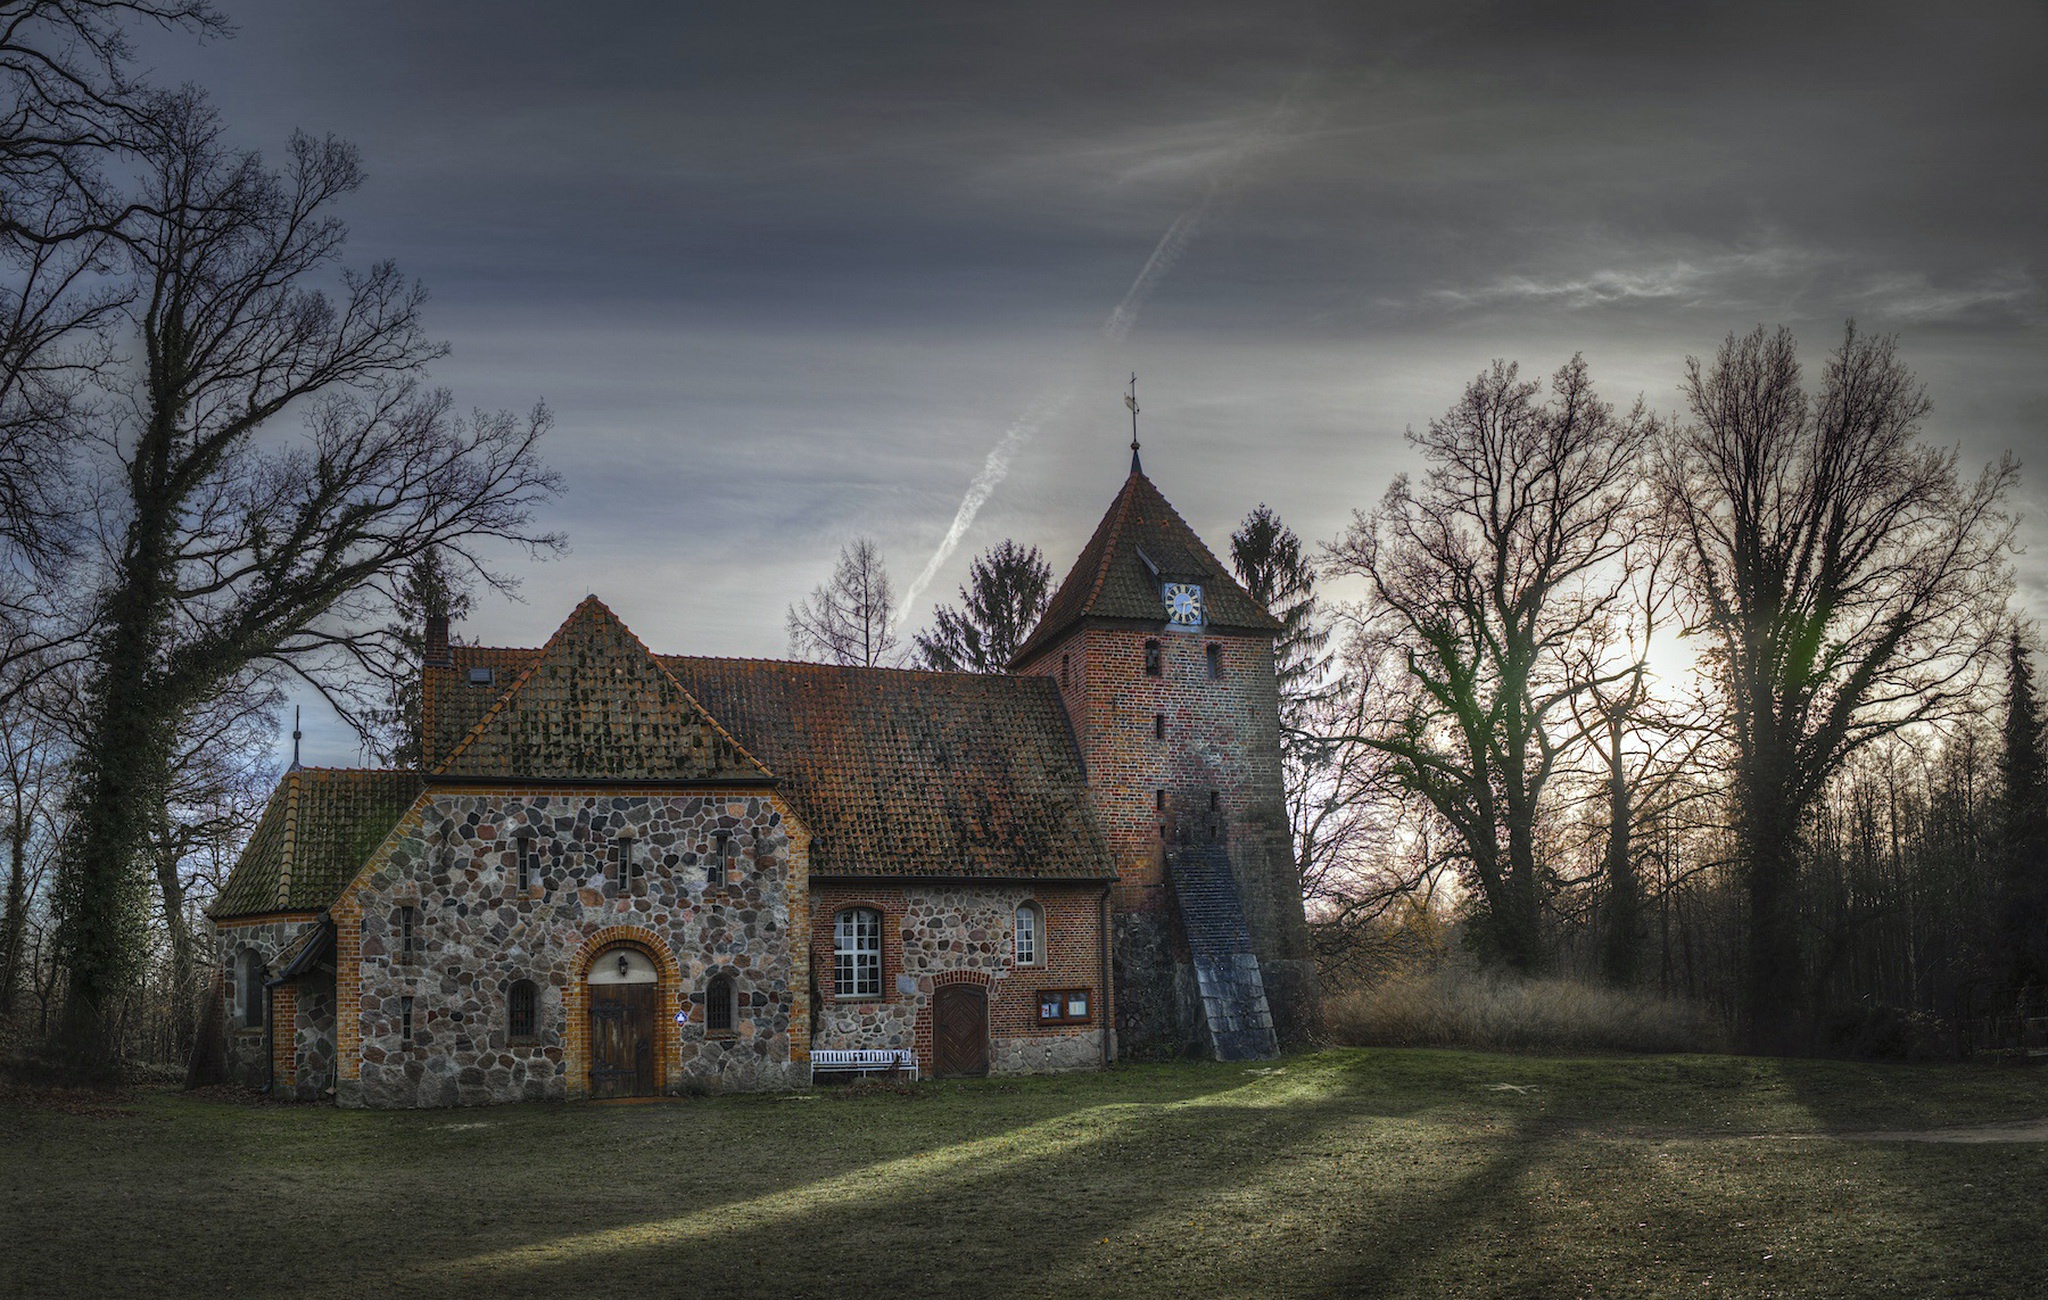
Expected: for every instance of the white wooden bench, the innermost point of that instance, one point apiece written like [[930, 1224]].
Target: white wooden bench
[[866, 1061]]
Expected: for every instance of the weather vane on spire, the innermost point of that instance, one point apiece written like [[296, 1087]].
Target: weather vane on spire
[[296, 735], [1131, 400]]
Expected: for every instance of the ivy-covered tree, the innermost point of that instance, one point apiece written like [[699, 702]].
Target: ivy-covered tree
[[230, 551], [1007, 589]]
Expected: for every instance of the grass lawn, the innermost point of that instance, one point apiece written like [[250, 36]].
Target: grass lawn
[[1370, 1172]]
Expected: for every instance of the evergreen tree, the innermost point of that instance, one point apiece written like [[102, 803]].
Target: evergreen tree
[[1267, 556], [2023, 856], [1007, 589], [427, 591]]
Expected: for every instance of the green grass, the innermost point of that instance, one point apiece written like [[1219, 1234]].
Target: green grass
[[1393, 1173]]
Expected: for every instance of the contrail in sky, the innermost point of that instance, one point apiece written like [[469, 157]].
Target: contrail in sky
[[1050, 403]]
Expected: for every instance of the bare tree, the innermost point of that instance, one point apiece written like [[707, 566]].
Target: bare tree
[[71, 117], [1481, 579], [32, 758], [225, 558], [1851, 583], [846, 620], [1007, 588]]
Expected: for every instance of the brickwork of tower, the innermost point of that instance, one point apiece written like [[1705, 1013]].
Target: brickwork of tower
[[1179, 730]]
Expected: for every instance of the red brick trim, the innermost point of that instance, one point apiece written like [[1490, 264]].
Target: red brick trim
[[576, 1048]]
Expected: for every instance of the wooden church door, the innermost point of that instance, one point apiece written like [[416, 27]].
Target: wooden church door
[[960, 1031], [622, 1030]]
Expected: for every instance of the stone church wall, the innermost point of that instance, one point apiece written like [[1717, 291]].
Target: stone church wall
[[936, 934], [266, 937], [708, 883]]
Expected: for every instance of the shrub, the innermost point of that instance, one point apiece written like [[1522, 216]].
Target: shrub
[[1459, 1007]]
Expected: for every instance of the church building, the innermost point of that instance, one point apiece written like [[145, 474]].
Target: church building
[[622, 873]]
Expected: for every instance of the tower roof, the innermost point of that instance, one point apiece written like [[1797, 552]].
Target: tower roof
[[1140, 543]]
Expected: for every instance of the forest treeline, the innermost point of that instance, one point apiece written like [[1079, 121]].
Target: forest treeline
[[1728, 703]]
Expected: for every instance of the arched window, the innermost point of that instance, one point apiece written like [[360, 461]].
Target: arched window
[[1030, 938], [522, 1011], [718, 1008], [857, 953], [249, 987]]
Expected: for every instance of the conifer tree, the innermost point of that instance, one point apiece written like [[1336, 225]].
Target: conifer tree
[[2023, 855], [1007, 588]]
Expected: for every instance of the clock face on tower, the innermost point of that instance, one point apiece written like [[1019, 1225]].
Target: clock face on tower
[[1184, 604]]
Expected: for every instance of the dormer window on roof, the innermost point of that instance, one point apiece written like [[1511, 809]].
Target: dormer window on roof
[[480, 676]]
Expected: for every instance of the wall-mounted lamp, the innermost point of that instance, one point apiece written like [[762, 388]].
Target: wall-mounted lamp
[[625, 966]]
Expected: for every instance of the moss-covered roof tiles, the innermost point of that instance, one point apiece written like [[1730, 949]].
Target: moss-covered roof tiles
[[595, 705], [913, 773], [319, 827]]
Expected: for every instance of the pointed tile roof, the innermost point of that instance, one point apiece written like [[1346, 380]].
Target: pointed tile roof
[[1140, 543], [594, 704], [316, 831]]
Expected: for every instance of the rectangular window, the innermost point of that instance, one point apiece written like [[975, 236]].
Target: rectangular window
[[1215, 662], [1159, 726], [405, 1020], [1066, 666], [1154, 661], [407, 940], [529, 857], [1063, 1007], [857, 954]]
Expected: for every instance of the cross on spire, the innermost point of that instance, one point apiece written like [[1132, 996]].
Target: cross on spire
[[1131, 400], [296, 736]]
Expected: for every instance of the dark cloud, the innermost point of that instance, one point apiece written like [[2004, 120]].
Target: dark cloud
[[788, 272]]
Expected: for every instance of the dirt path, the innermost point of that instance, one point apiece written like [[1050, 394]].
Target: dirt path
[[2023, 1131]]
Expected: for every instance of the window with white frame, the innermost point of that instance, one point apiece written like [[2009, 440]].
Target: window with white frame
[[1030, 934], [857, 954]]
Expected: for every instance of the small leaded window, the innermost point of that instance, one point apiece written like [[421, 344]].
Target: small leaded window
[[249, 978], [529, 859], [1030, 935], [1153, 660], [407, 922], [522, 1011], [718, 1009], [857, 954], [405, 1020]]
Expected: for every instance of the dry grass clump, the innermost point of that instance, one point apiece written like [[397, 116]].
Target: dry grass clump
[[1458, 1007]]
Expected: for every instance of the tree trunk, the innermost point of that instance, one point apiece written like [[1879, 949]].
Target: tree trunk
[[17, 915], [1620, 951], [1774, 984], [183, 976], [102, 893]]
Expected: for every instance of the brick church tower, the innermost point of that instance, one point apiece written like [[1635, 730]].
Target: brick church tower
[[1165, 665]]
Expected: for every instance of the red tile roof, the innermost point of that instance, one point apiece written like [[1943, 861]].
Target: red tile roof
[[1141, 541], [898, 772]]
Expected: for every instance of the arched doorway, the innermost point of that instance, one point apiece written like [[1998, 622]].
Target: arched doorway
[[624, 987], [960, 1031]]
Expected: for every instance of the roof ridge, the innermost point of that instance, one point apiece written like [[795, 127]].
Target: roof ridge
[[291, 838]]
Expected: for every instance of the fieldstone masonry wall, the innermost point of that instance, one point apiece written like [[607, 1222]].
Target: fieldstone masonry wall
[[267, 937], [714, 882], [940, 933]]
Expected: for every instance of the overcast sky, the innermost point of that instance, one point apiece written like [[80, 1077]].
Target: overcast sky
[[790, 273]]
